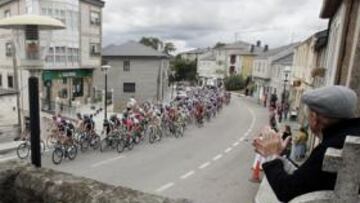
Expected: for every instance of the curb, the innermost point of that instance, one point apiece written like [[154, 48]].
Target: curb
[[6, 149]]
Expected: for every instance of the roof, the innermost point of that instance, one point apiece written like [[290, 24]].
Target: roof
[[329, 8], [242, 47], [321, 39], [131, 49], [273, 52], [196, 51], [6, 92], [210, 57], [285, 60], [95, 2]]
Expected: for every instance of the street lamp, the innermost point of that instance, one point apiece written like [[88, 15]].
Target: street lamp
[[105, 70], [31, 51], [287, 71]]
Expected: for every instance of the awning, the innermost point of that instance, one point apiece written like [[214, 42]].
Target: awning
[[60, 74], [21, 21]]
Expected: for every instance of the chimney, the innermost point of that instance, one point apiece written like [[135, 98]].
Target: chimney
[[266, 48], [252, 48], [258, 43]]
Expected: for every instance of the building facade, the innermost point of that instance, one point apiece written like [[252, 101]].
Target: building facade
[[263, 69], [136, 71], [343, 60], [72, 56]]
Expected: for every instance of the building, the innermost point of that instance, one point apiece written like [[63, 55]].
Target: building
[[262, 70], [309, 62], [73, 54], [343, 61], [8, 110], [232, 58], [136, 71], [194, 54]]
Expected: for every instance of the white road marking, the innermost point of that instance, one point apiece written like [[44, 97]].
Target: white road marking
[[190, 173], [204, 165], [217, 157], [107, 161], [165, 187], [228, 150], [242, 139], [236, 144]]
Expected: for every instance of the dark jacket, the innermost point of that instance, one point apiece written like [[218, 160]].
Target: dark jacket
[[309, 177]]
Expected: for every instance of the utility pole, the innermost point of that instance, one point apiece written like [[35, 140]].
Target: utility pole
[[16, 85]]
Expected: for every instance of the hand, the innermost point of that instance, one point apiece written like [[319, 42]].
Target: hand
[[270, 143]]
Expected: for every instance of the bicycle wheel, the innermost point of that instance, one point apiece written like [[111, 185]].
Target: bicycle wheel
[[57, 155], [104, 145], [72, 152], [151, 136], [120, 146], [84, 144], [95, 142], [130, 144], [23, 150]]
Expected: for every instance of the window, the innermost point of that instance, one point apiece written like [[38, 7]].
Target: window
[[10, 81], [94, 49], [232, 59], [78, 87], [95, 18], [8, 49], [7, 13], [63, 93], [64, 81], [126, 67], [0, 80], [129, 87]]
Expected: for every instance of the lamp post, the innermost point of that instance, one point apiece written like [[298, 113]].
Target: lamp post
[[30, 52], [287, 71], [105, 69]]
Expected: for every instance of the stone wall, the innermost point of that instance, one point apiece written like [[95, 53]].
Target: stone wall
[[20, 182]]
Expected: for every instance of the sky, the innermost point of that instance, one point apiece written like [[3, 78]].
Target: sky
[[201, 23]]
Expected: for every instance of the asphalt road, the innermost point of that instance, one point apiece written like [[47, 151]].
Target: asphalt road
[[208, 165]]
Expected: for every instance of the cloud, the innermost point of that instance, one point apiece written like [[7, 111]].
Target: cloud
[[201, 23]]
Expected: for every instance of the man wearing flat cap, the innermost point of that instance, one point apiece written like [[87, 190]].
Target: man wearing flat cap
[[331, 118]]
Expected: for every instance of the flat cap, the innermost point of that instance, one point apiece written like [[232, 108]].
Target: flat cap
[[332, 101]]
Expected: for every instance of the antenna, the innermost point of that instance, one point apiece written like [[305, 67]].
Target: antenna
[[236, 36]]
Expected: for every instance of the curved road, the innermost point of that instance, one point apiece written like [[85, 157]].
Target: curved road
[[208, 165]]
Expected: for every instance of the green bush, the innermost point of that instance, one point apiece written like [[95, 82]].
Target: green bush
[[234, 82]]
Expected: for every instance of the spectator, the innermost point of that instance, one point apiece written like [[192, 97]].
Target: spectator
[[286, 108], [287, 133], [273, 99], [300, 141], [331, 117], [272, 119], [279, 112], [265, 99]]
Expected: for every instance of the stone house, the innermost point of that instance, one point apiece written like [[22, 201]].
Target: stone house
[[193, 54], [136, 71], [262, 70], [232, 58], [309, 69], [343, 61], [73, 54]]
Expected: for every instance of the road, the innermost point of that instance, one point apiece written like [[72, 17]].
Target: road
[[208, 165]]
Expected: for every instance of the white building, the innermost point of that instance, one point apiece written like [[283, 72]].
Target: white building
[[262, 70], [73, 53]]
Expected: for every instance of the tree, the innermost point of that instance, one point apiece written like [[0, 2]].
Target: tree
[[234, 82], [169, 47], [219, 44], [184, 69], [152, 42], [155, 43]]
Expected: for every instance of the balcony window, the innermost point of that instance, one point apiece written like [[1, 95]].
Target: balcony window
[[94, 49], [233, 59], [95, 18], [126, 67], [8, 49]]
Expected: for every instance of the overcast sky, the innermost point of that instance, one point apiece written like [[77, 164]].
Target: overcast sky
[[201, 23]]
